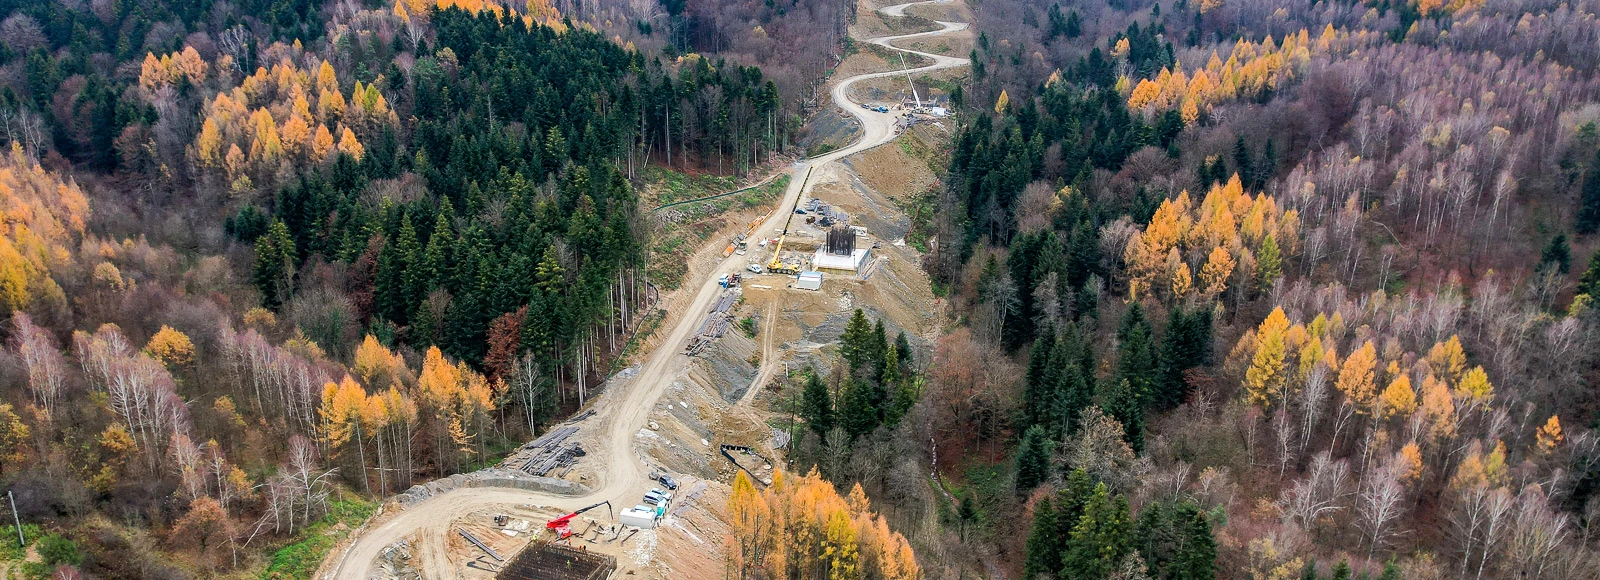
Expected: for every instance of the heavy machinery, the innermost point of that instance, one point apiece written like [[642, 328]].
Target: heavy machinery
[[777, 265], [563, 525]]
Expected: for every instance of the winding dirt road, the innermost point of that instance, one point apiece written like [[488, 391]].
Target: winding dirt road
[[622, 410]]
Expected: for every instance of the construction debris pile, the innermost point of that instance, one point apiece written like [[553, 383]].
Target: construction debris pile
[[822, 214], [716, 322]]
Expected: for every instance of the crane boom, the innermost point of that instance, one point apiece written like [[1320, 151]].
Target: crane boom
[[913, 83], [777, 264]]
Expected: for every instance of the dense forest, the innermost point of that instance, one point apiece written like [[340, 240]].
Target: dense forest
[[264, 263], [1261, 290]]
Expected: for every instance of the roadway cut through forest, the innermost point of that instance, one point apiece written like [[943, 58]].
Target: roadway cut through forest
[[622, 410]]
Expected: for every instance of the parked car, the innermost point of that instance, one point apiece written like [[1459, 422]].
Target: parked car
[[667, 481]]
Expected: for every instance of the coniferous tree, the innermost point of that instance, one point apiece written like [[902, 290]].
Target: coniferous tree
[[1101, 538], [878, 347], [1269, 264], [1309, 572], [1341, 571], [1175, 541], [275, 265], [1588, 219], [1038, 386], [1136, 354], [1242, 164], [902, 348], [857, 412], [1043, 556], [1589, 282], [816, 405], [1052, 526], [410, 276], [1033, 459], [1186, 346], [1557, 255], [855, 343]]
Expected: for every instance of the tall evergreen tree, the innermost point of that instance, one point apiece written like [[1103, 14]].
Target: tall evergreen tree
[[1136, 354], [855, 345], [1184, 347], [1175, 541], [1242, 164], [1033, 459], [1269, 264], [1038, 386], [275, 265], [1589, 282], [1053, 522], [816, 404], [1588, 219], [1102, 537], [1557, 255], [1043, 555], [878, 345], [857, 413], [902, 348]]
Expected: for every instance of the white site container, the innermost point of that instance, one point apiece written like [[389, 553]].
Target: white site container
[[637, 518], [809, 280]]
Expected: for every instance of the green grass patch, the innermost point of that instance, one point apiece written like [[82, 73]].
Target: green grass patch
[[9, 550], [665, 186], [299, 559]]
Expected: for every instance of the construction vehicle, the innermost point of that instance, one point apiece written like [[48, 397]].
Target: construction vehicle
[[563, 525], [728, 280], [777, 265]]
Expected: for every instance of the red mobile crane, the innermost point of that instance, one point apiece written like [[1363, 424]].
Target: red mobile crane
[[563, 524]]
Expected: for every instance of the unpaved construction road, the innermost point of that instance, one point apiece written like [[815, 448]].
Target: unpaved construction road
[[622, 410]]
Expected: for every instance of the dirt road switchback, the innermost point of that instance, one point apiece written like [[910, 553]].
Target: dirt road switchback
[[622, 410]]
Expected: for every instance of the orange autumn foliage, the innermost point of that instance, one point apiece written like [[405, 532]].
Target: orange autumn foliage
[[801, 527], [41, 217], [1250, 70], [280, 119], [1212, 237]]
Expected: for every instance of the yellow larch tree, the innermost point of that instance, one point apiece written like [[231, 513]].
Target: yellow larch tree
[[1265, 378], [321, 143], [172, 348], [348, 144], [1475, 387], [1182, 282], [1438, 409], [1549, 436], [1448, 360], [1398, 398], [1356, 377]]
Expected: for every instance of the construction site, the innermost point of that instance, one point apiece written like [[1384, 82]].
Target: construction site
[[637, 483]]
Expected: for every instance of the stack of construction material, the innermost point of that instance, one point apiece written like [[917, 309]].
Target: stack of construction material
[[552, 451], [715, 324]]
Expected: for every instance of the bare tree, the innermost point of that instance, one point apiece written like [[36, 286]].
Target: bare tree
[[1321, 493], [1479, 521], [1312, 397], [1381, 502], [1536, 533], [46, 368]]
